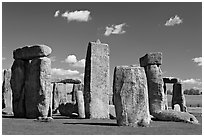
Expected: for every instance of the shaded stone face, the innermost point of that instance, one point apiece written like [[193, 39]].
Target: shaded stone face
[[96, 81], [178, 97], [131, 96], [151, 59], [170, 80], [7, 92], [31, 52], [155, 88], [18, 78], [38, 88]]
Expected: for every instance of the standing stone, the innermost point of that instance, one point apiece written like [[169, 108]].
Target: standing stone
[[151, 62], [78, 90], [38, 88], [96, 81], [178, 97], [7, 93], [31, 52], [17, 82], [165, 97], [131, 96]]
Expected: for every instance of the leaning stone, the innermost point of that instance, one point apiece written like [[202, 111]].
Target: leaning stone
[[31, 52], [38, 88], [131, 96], [155, 88], [178, 97], [7, 93], [96, 81], [18, 77], [151, 59]]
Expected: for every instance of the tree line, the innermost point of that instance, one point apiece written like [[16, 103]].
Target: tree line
[[187, 92]]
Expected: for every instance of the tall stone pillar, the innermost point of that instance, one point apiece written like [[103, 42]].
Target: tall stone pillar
[[38, 88], [178, 97], [7, 92], [96, 81], [18, 77], [165, 97], [151, 62], [131, 96]]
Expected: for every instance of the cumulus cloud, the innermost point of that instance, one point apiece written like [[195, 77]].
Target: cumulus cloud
[[198, 60], [173, 21], [192, 81], [80, 16], [80, 63], [59, 71], [115, 29], [72, 59], [57, 13]]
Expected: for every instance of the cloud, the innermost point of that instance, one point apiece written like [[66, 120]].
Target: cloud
[[115, 29], [71, 59], [80, 16], [198, 60], [81, 75], [173, 21], [57, 13], [53, 58], [80, 63], [3, 58], [59, 71], [192, 81]]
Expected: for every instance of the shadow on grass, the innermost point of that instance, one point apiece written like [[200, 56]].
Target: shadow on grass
[[94, 124]]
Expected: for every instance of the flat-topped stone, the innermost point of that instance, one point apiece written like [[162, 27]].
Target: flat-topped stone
[[154, 58], [32, 51], [170, 80]]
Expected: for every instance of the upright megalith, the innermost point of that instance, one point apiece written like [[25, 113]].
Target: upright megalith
[[31, 81], [151, 62], [156, 92], [78, 91], [96, 81], [178, 97], [18, 78], [131, 96], [38, 88], [7, 92]]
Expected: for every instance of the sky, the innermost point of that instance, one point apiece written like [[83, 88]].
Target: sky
[[130, 29]]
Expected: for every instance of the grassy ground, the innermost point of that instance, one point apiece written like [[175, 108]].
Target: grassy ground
[[191, 100], [65, 126]]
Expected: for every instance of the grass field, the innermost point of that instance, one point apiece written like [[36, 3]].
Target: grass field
[[191, 100], [66, 126]]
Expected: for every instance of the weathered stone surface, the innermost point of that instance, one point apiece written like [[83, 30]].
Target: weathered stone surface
[[31, 52], [171, 115], [155, 88], [80, 103], [178, 97], [165, 97], [62, 94], [170, 80], [131, 96], [17, 82], [112, 112], [96, 81], [151, 59], [7, 93], [38, 88]]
